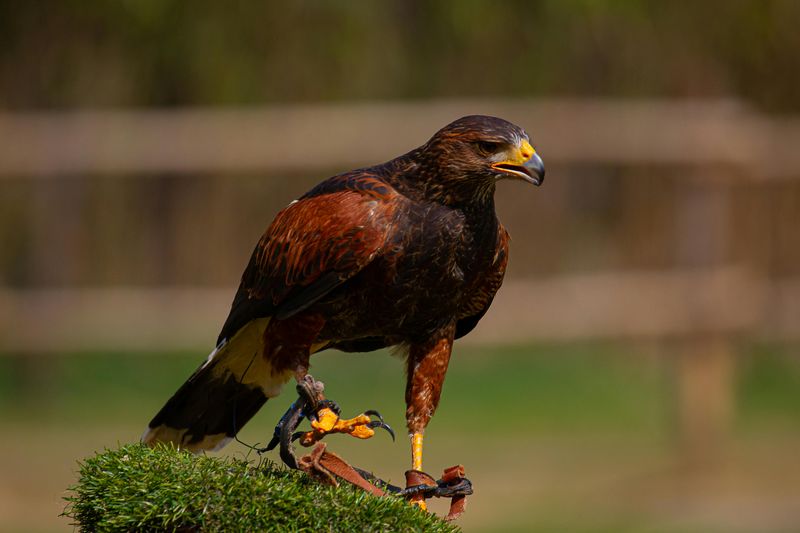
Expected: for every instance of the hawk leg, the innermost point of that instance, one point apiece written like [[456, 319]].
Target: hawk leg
[[427, 365]]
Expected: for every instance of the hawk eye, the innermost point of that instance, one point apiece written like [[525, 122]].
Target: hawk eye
[[487, 147]]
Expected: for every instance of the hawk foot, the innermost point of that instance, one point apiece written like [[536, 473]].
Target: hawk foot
[[324, 417], [328, 421]]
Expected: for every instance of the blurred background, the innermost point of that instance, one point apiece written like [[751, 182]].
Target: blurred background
[[639, 370]]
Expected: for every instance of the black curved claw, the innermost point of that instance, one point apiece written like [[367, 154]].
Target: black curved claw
[[379, 423], [373, 412]]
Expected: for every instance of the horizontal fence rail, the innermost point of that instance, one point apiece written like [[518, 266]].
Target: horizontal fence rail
[[615, 305], [311, 137]]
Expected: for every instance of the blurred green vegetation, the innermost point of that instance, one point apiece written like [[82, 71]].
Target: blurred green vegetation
[[541, 429], [167, 52], [567, 388], [768, 386]]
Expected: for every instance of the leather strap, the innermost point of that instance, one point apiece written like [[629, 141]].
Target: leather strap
[[324, 465], [327, 467], [452, 477]]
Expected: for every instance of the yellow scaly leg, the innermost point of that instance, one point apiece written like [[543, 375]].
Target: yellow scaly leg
[[416, 464]]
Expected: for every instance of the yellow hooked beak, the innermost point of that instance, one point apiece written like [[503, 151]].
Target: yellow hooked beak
[[523, 162]]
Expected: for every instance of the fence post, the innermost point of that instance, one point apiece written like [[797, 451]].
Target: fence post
[[705, 362], [705, 396]]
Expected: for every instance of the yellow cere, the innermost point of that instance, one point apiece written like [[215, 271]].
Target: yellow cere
[[526, 150]]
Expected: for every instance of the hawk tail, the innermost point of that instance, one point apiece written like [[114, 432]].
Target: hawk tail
[[220, 397]]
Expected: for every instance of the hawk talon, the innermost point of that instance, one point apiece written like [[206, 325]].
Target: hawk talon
[[380, 423], [327, 421], [325, 418], [373, 412]]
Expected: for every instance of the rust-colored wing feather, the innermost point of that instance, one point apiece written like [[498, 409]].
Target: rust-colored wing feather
[[312, 246]]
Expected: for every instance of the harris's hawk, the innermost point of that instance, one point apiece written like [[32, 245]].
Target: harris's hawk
[[408, 253]]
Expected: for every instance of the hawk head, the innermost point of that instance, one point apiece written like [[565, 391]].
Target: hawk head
[[484, 149]]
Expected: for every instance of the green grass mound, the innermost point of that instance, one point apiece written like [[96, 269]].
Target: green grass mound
[[138, 488]]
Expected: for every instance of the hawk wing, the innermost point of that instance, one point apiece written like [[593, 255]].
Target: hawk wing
[[314, 245]]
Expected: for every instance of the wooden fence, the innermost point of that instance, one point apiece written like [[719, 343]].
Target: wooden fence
[[710, 294], [311, 137], [705, 298]]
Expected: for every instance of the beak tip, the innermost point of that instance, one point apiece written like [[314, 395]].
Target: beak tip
[[536, 166]]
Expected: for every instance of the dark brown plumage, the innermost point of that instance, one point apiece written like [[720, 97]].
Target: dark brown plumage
[[405, 253]]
